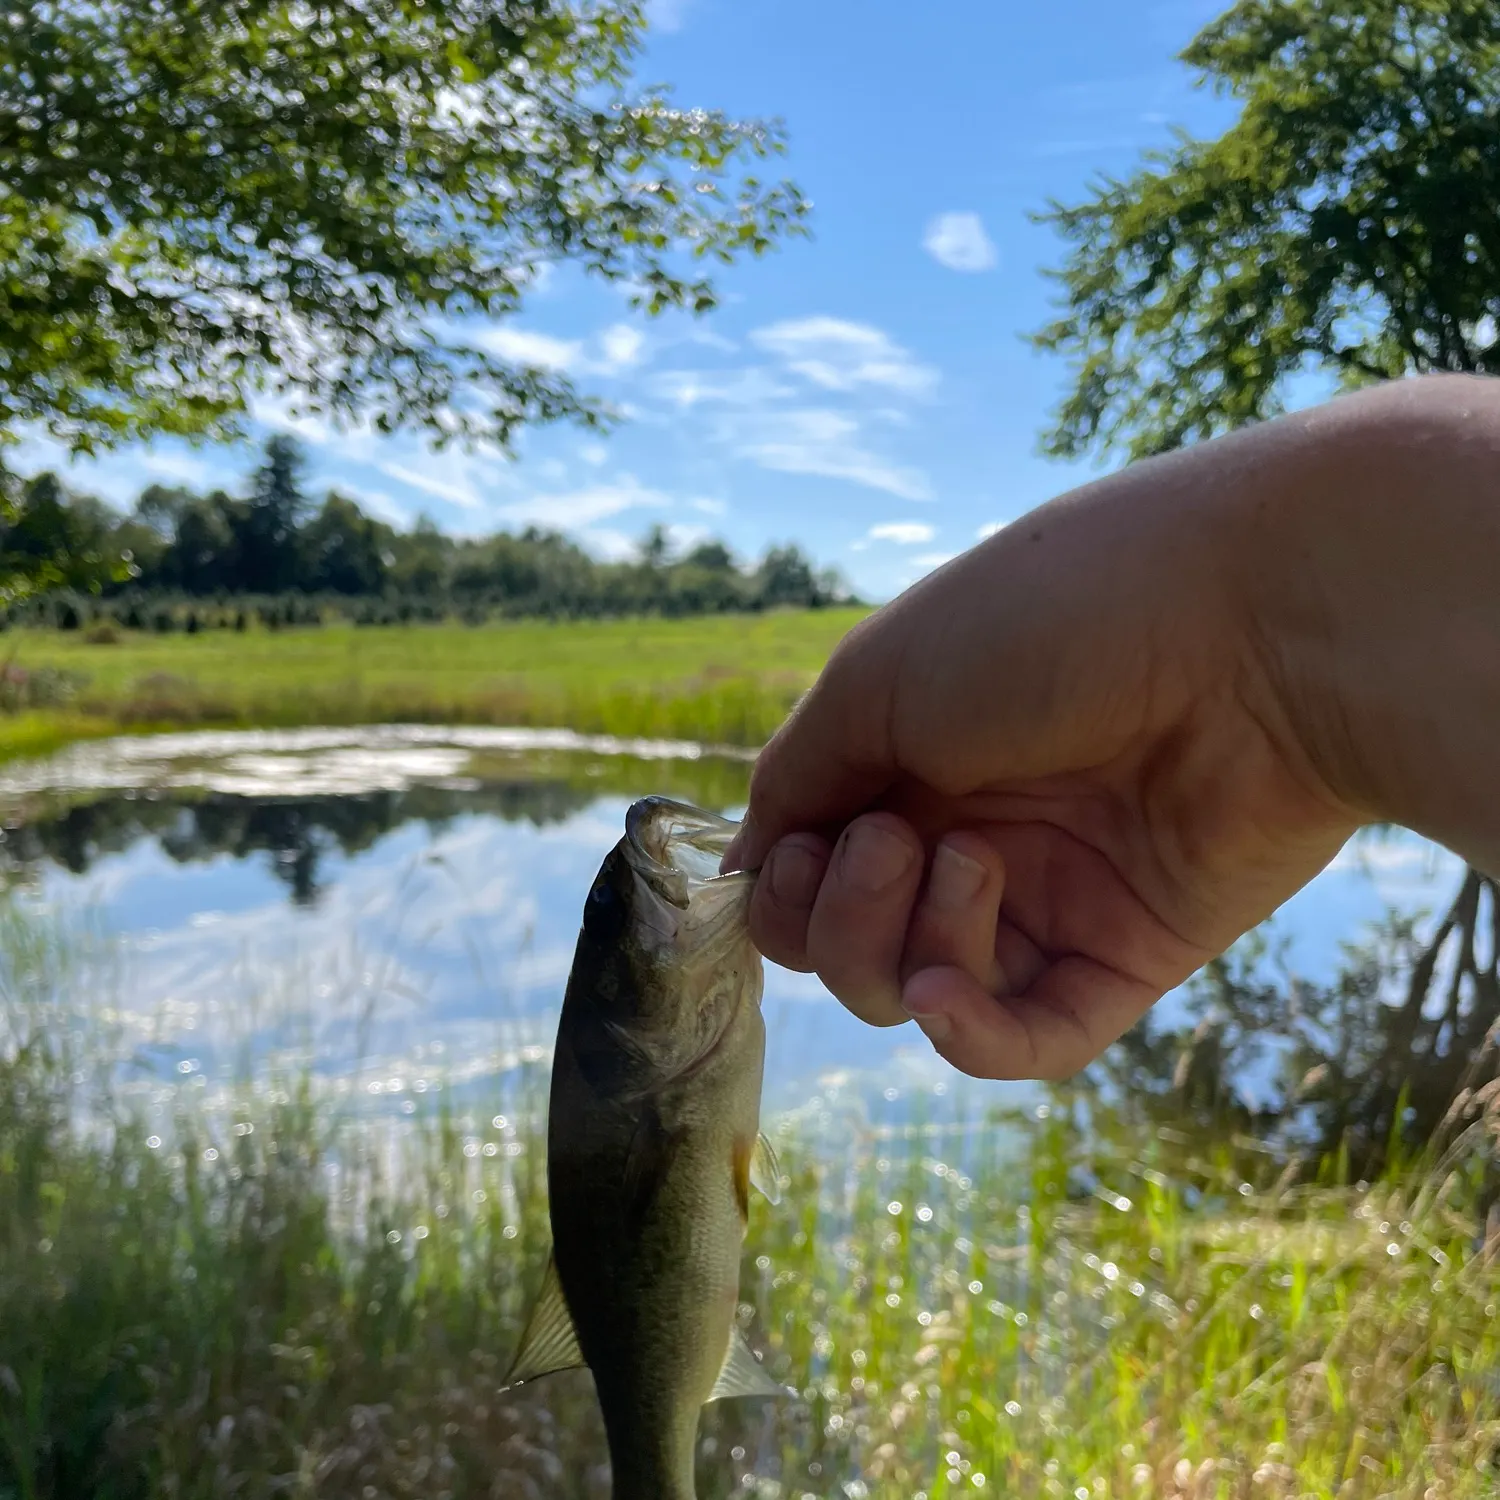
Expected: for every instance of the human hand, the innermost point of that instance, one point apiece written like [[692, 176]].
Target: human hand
[[1050, 781]]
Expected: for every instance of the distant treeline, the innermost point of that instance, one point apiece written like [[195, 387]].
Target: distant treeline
[[182, 560]]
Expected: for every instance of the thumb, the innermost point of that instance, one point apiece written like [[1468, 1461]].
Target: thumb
[[830, 760]]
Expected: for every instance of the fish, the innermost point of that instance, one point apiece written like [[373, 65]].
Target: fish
[[653, 1145]]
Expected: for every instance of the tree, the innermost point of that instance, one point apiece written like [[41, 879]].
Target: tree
[[1348, 222], [343, 550], [55, 540], [786, 577], [203, 555], [202, 202], [268, 529]]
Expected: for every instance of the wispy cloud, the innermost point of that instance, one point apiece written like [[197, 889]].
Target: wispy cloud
[[752, 387], [709, 506], [840, 356], [959, 241], [611, 351], [582, 507], [817, 441], [933, 559], [903, 533], [458, 492], [622, 346], [384, 507], [524, 346], [183, 468], [990, 528]]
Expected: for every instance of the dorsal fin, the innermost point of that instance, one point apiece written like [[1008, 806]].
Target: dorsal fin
[[743, 1374], [550, 1342]]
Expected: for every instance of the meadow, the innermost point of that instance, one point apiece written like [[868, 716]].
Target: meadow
[[241, 1286], [725, 679]]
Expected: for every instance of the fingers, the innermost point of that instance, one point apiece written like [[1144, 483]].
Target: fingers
[[843, 911], [857, 928], [784, 896], [954, 922], [1075, 1009]]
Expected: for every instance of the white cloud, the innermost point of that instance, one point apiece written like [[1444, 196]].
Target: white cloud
[[990, 528], [609, 545], [384, 507], [825, 443], [740, 388], [619, 346], [708, 506], [903, 533], [840, 356], [182, 468], [593, 454], [582, 507], [622, 346], [526, 347], [933, 559], [457, 491], [958, 241], [684, 536]]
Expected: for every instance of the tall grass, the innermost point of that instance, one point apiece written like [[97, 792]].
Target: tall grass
[[727, 680], [212, 1289]]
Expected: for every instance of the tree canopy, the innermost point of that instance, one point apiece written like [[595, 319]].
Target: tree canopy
[[177, 550], [1347, 222], [206, 200]]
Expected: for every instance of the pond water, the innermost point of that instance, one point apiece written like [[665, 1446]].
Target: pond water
[[395, 906]]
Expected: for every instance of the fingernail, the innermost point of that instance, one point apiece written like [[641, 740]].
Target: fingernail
[[955, 878], [735, 853], [936, 1027], [795, 873], [874, 858]]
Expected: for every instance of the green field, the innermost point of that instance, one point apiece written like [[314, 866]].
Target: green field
[[726, 679]]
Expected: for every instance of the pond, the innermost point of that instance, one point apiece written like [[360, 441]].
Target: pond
[[388, 905]]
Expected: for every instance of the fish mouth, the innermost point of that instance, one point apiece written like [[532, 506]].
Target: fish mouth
[[676, 849]]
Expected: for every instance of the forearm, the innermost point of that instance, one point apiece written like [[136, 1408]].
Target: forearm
[[1373, 560]]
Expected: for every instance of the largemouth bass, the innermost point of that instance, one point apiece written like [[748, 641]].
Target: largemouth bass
[[653, 1144]]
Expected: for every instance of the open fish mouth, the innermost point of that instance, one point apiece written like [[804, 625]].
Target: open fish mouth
[[676, 849]]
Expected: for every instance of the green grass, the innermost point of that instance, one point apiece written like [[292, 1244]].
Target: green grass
[[723, 679], [238, 1290]]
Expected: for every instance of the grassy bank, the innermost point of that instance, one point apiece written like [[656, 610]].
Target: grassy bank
[[228, 1291], [726, 679]]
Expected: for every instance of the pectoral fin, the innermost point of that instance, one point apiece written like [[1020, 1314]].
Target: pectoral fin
[[743, 1374], [550, 1342], [765, 1170]]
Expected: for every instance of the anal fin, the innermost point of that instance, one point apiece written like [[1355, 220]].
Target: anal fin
[[743, 1374], [550, 1342]]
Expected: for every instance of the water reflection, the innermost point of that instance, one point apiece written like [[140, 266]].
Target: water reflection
[[403, 902], [387, 913], [296, 834]]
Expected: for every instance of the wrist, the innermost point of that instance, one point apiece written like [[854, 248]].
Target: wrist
[[1369, 564]]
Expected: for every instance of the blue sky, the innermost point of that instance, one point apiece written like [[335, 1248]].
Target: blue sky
[[866, 393]]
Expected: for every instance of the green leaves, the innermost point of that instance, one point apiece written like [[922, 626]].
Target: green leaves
[[204, 200], [1349, 222]]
